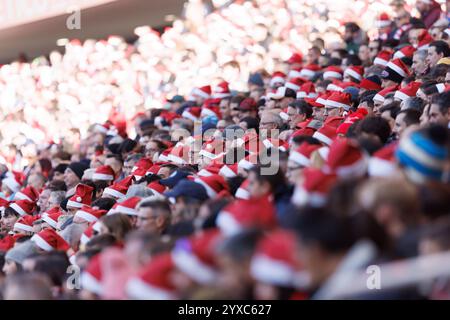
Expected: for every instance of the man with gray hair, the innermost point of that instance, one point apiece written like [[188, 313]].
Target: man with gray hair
[[154, 215], [270, 123], [419, 65]]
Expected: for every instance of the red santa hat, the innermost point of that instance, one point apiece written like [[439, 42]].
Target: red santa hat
[[242, 192], [406, 51], [82, 196], [356, 72], [13, 180], [211, 111], [221, 91], [23, 207], [214, 184], [323, 98], [277, 77], [91, 277], [350, 120], [49, 240], [28, 193], [441, 87], [3, 204], [275, 260], [104, 173], [302, 154], [294, 83], [279, 144], [164, 156], [119, 189], [87, 234], [128, 206], [307, 90], [229, 170], [154, 281], [408, 91], [332, 72], [314, 189], [380, 96], [369, 84], [192, 113], [203, 92], [399, 67], [90, 214], [339, 100], [295, 73], [424, 40], [309, 71], [140, 167], [51, 216], [296, 58], [212, 148], [25, 223], [383, 57], [179, 154], [382, 162], [7, 242], [240, 214], [196, 258], [333, 121], [346, 159], [157, 188], [383, 20], [326, 134], [248, 162], [335, 86]]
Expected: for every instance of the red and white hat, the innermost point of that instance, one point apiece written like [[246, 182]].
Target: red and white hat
[[229, 170], [196, 258], [335, 85], [322, 99], [119, 189], [296, 57], [302, 154], [339, 100], [248, 162], [350, 120], [295, 73], [221, 91], [90, 214], [314, 189], [380, 96], [441, 87], [157, 188], [49, 240], [346, 159], [406, 51], [309, 71], [82, 196], [212, 148], [154, 281], [192, 113], [383, 20], [28, 193], [408, 91], [356, 72], [51, 216], [382, 162], [91, 277], [279, 144], [104, 173], [128, 206], [277, 77], [87, 234], [399, 67], [383, 58], [179, 154], [424, 40], [275, 260], [333, 121], [307, 90], [295, 83], [25, 223], [214, 184], [13, 181], [140, 167], [154, 169], [3, 203], [242, 192], [211, 111], [203, 92], [23, 207], [332, 72], [213, 168], [240, 214], [326, 134]]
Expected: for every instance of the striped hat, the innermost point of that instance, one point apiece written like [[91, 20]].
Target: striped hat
[[422, 156]]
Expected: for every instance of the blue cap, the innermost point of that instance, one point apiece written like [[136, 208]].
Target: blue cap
[[256, 79], [354, 92], [187, 188], [174, 178]]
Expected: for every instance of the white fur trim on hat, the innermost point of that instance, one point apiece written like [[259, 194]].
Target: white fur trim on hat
[[271, 271], [41, 243], [210, 191], [292, 86], [176, 159], [86, 216], [332, 74], [51, 222], [396, 68], [12, 184], [242, 193], [299, 159], [353, 73], [322, 138], [226, 172], [18, 209], [302, 197], [190, 264], [126, 210], [400, 95], [381, 168], [307, 73], [186, 114], [22, 226], [335, 104], [101, 176], [21, 196], [140, 290], [90, 283], [74, 204], [200, 93], [380, 61], [114, 193]]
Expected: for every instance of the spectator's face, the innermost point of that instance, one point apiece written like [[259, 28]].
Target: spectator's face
[[293, 172], [43, 199], [419, 66], [10, 267], [164, 172], [447, 79], [364, 53], [151, 150], [373, 49], [433, 57], [318, 113], [435, 115], [332, 112], [424, 119], [8, 222], [147, 220], [224, 108], [400, 125], [70, 178], [37, 181], [128, 166], [255, 187], [387, 115], [436, 33]]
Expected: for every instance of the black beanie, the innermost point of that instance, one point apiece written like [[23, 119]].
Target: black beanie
[[61, 167], [78, 168]]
